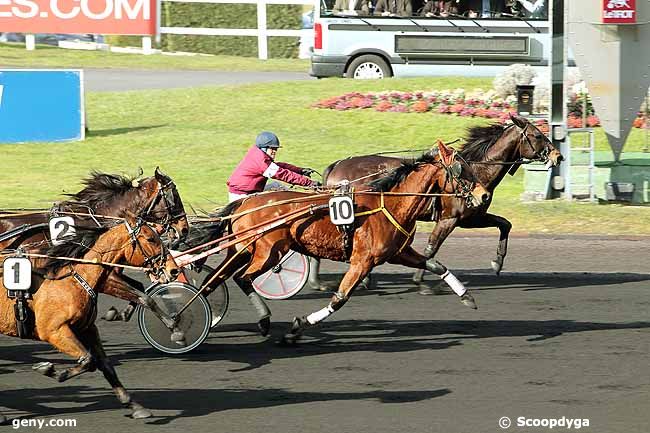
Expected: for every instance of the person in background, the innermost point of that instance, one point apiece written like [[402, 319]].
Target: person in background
[[351, 7], [401, 8], [534, 8], [259, 165], [470, 8]]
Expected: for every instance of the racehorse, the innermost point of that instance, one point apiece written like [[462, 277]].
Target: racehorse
[[383, 229], [491, 152], [153, 199], [63, 307]]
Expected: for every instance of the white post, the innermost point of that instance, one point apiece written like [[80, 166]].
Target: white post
[[30, 42], [146, 45], [262, 43]]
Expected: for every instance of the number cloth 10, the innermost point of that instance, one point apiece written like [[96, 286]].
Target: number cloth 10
[[341, 210]]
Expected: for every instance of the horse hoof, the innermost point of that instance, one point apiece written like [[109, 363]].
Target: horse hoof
[[497, 265], [425, 291], [111, 315], [418, 277], [141, 413], [264, 326], [319, 287], [177, 336], [45, 368], [3, 419], [289, 340], [468, 300]]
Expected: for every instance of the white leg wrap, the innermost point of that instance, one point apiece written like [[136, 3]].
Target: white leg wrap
[[320, 315], [453, 282]]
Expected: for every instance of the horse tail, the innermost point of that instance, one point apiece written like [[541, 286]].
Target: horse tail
[[207, 231]]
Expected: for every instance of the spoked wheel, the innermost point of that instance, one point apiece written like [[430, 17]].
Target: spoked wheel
[[284, 280], [218, 298], [194, 322]]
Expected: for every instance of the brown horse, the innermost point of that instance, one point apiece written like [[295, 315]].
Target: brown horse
[[154, 199], [492, 152], [63, 306], [383, 229]]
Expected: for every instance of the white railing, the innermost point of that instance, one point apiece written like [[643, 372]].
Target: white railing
[[262, 32]]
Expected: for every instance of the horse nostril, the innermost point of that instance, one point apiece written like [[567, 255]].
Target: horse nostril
[[184, 231], [560, 158], [174, 273], [485, 197]]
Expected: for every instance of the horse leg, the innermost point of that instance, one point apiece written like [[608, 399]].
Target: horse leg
[[262, 310], [314, 276], [129, 289], [409, 257], [504, 226], [91, 337], [67, 342], [440, 232], [358, 270]]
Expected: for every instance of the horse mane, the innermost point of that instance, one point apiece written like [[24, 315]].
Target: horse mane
[[100, 188], [396, 176], [73, 247], [480, 140], [206, 231]]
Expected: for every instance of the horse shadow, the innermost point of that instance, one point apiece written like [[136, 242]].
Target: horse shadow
[[37, 402], [377, 336], [485, 280]]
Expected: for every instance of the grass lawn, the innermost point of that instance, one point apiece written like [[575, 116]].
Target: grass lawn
[[45, 56], [198, 136]]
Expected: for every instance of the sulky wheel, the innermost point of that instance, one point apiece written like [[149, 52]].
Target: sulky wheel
[[284, 280], [218, 297], [193, 324]]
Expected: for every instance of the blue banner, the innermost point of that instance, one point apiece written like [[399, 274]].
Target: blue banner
[[41, 105]]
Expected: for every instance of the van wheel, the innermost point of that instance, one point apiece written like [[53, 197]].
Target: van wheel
[[368, 67]]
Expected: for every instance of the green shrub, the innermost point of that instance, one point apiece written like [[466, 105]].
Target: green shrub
[[241, 16], [233, 16]]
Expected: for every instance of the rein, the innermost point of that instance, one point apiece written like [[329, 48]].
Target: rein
[[391, 219]]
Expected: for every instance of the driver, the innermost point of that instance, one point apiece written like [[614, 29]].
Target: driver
[[259, 165]]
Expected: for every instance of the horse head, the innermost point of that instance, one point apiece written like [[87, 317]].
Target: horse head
[[534, 144], [163, 205], [459, 177], [141, 246]]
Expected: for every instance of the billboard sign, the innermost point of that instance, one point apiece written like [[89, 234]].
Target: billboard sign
[[619, 11], [41, 105], [107, 17]]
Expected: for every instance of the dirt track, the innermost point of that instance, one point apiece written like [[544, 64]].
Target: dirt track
[[564, 331]]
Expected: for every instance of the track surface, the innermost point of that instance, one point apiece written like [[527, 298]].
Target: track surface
[[564, 331]]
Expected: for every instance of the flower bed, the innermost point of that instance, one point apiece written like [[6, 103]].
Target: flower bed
[[476, 104]]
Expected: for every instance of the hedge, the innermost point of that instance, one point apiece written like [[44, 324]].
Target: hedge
[[238, 16]]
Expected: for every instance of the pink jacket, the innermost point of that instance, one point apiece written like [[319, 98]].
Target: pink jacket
[[252, 172]]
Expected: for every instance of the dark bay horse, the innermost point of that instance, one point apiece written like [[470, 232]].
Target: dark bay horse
[[383, 229], [492, 152], [63, 306], [154, 199]]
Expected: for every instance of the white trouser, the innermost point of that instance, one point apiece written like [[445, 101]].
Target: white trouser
[[232, 196]]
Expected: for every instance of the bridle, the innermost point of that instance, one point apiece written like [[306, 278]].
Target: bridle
[[542, 156], [463, 186], [157, 262], [172, 213]]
